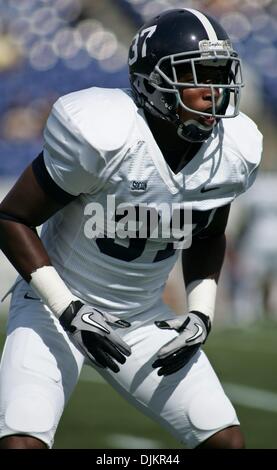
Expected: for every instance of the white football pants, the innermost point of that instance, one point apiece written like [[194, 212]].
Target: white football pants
[[40, 368]]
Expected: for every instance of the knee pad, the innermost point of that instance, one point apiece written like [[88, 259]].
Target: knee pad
[[30, 411], [211, 411]]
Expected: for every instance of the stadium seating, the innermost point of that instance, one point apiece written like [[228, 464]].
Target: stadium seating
[[47, 75], [50, 71]]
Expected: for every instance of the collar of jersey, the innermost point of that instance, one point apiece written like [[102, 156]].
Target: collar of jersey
[[175, 182]]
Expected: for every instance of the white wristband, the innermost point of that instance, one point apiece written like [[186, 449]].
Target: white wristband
[[201, 295], [52, 290]]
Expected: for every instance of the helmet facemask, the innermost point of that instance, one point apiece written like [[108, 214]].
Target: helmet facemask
[[218, 56]]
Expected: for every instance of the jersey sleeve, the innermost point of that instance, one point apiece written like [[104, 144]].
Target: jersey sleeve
[[253, 167], [71, 161], [243, 143], [252, 149]]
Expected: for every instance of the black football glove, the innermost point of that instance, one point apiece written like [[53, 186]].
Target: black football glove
[[193, 330], [90, 331]]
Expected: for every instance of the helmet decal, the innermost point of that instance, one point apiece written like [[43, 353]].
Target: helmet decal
[[211, 33], [146, 33]]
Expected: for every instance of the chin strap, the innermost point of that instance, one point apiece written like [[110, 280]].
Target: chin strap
[[193, 131]]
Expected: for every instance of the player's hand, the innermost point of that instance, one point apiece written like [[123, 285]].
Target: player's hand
[[90, 331], [193, 330]]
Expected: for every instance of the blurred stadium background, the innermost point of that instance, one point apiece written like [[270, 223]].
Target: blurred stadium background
[[52, 47]]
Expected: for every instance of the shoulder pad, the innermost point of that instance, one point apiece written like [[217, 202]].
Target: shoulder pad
[[104, 117], [243, 138]]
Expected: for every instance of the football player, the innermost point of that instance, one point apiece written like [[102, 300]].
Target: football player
[[172, 139]]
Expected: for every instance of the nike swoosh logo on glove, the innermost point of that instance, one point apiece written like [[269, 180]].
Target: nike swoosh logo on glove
[[87, 319], [197, 334]]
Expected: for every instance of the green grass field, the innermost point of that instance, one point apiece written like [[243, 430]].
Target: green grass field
[[245, 360]]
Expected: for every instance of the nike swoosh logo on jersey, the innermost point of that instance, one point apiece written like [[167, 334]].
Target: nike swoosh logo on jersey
[[27, 296], [197, 334], [211, 188], [87, 319]]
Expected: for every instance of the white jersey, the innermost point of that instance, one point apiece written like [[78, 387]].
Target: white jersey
[[98, 144]]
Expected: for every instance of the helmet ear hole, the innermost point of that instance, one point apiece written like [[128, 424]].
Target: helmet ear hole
[[156, 79], [149, 88]]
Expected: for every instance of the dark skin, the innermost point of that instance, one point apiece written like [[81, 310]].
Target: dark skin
[[28, 202], [176, 151]]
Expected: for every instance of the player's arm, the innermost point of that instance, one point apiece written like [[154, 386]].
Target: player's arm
[[26, 206], [202, 264], [34, 199], [203, 261]]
